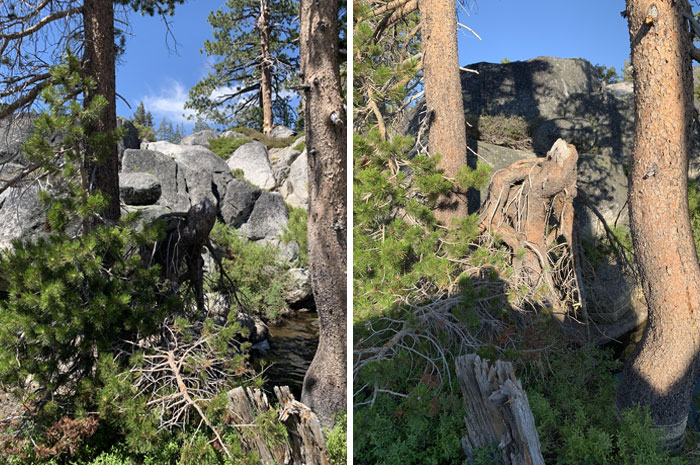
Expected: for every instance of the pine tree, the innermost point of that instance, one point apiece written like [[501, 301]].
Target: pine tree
[[71, 298], [251, 39]]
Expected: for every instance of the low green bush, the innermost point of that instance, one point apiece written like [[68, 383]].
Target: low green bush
[[268, 141], [256, 269], [508, 131], [337, 440], [296, 231], [225, 146]]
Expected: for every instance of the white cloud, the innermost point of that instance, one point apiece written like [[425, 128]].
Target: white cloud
[[169, 102]]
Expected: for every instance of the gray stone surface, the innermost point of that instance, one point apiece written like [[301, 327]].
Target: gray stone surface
[[295, 188], [206, 174], [200, 138], [281, 157], [603, 179], [300, 286], [620, 89], [139, 188], [21, 213], [165, 170], [14, 131], [536, 88], [282, 132], [239, 202], [577, 131], [268, 219], [231, 133], [252, 158], [257, 329]]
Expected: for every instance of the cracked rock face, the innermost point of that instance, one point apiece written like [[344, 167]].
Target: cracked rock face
[[252, 158]]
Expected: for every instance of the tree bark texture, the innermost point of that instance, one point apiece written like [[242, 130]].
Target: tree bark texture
[[265, 66], [530, 206], [443, 97], [661, 371], [305, 444], [102, 165], [324, 387]]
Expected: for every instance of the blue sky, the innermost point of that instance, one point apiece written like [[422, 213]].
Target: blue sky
[[157, 73], [523, 29], [516, 29]]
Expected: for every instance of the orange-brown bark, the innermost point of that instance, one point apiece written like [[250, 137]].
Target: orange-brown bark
[[324, 116], [102, 167], [661, 371], [443, 96]]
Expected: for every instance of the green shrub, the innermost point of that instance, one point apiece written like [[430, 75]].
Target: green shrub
[[296, 231], [225, 146], [337, 440], [575, 413], [268, 141], [256, 270], [508, 131], [300, 146]]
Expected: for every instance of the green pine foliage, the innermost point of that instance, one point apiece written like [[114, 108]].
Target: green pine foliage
[[256, 269], [237, 53]]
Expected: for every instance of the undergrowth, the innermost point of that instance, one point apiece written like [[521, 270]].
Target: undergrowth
[[256, 270], [225, 146]]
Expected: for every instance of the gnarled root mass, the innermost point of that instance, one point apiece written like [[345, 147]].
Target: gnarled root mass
[[530, 208]]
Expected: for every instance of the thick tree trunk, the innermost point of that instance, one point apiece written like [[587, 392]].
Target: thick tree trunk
[[661, 371], [265, 66], [102, 164], [443, 97], [324, 115]]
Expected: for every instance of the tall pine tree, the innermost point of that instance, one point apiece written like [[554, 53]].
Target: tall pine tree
[[255, 47]]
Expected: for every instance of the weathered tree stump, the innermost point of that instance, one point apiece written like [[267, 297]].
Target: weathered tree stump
[[530, 207], [497, 411], [305, 444]]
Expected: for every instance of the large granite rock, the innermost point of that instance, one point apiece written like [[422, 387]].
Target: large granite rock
[[295, 187], [14, 132], [604, 181], [200, 138], [268, 218], [577, 131], [164, 168], [252, 158], [205, 174], [239, 202], [536, 88], [139, 188], [282, 132], [21, 213]]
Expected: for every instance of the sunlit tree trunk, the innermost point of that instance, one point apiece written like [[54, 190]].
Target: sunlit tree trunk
[[443, 96], [324, 116], [102, 167], [265, 66], [661, 371]]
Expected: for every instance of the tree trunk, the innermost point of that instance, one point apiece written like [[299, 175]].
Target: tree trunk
[[324, 115], [265, 66], [102, 164], [443, 97], [497, 410], [661, 371]]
